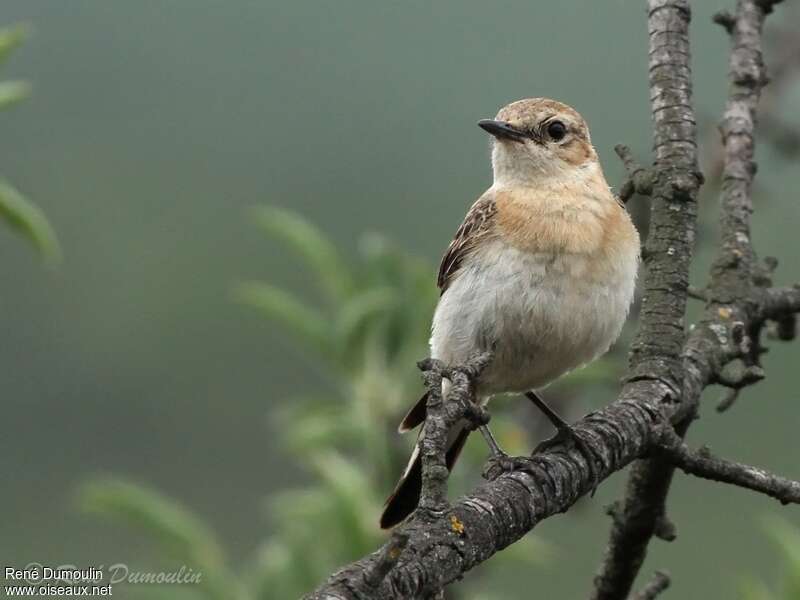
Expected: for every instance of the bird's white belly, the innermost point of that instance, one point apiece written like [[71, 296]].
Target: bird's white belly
[[542, 314]]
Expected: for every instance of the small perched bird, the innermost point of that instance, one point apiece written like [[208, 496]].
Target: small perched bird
[[541, 272]]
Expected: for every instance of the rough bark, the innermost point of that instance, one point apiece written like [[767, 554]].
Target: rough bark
[[669, 368], [738, 298]]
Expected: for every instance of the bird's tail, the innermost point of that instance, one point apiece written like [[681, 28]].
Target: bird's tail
[[405, 497]]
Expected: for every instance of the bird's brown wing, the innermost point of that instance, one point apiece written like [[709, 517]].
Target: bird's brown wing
[[477, 225]]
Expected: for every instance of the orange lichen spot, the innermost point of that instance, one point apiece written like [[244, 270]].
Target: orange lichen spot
[[456, 525], [394, 553], [724, 312]]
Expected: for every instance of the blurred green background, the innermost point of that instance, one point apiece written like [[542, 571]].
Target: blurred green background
[[154, 126]]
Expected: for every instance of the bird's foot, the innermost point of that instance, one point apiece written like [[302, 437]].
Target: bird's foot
[[503, 463], [567, 438]]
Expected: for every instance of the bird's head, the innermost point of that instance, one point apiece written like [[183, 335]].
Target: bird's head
[[538, 138]]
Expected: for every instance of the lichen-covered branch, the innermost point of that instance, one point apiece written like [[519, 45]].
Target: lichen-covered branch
[[703, 464], [639, 180], [659, 582], [668, 371], [737, 301], [778, 302], [499, 512], [658, 348]]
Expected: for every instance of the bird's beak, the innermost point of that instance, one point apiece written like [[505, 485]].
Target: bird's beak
[[501, 130]]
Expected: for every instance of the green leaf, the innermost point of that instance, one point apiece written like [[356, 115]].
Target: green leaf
[[317, 432], [12, 92], [26, 218], [11, 38], [333, 275], [174, 528], [531, 550], [787, 538], [752, 589], [351, 495], [274, 574], [285, 308], [358, 313]]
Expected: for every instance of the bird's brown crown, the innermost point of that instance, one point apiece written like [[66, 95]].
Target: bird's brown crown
[[552, 124]]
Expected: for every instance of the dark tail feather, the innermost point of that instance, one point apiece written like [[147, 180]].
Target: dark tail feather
[[415, 416], [405, 497]]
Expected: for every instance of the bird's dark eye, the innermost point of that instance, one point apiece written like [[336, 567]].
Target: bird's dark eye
[[556, 130]]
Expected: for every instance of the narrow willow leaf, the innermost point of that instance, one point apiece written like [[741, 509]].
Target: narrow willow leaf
[[298, 234], [351, 495], [171, 525], [531, 550], [26, 218], [316, 432], [11, 38], [305, 322], [177, 531], [356, 315], [787, 538], [273, 574], [12, 92], [752, 589]]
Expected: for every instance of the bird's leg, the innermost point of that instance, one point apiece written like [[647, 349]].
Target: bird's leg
[[564, 432], [565, 435], [494, 448], [499, 461], [479, 417]]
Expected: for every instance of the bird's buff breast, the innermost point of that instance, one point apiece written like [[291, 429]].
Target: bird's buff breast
[[542, 313]]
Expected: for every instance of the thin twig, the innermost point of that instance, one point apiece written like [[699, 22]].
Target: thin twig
[[703, 464], [657, 584], [728, 399], [639, 180], [697, 293], [441, 417], [781, 301], [387, 557], [668, 370], [657, 348], [731, 307]]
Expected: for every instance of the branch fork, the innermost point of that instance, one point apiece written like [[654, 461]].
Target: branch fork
[[669, 370], [702, 463], [639, 179], [442, 415]]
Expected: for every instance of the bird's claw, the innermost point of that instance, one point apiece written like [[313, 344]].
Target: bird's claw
[[497, 465], [565, 437], [568, 438]]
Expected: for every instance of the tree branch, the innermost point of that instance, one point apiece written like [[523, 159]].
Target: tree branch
[[778, 302], [500, 512], [638, 181], [703, 464], [654, 587], [734, 302], [668, 369], [658, 346], [385, 560]]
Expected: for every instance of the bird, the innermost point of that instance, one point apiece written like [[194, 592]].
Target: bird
[[541, 273]]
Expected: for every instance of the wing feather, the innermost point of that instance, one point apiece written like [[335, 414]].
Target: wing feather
[[478, 224]]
